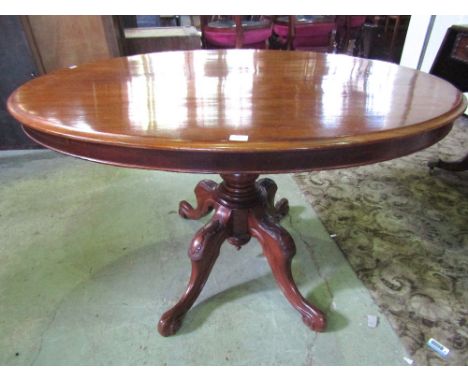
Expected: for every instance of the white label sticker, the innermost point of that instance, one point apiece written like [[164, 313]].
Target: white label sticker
[[372, 321], [239, 138], [438, 347]]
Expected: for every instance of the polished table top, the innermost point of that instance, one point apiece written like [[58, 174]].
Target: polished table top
[[262, 111]]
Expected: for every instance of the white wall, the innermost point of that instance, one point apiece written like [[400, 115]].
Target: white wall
[[441, 24], [417, 30], [412, 49]]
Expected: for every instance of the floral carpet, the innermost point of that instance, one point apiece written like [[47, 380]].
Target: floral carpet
[[404, 230]]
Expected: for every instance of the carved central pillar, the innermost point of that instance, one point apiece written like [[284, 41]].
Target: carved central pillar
[[244, 207]]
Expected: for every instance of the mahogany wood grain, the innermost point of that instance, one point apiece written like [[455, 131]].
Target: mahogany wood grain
[[297, 109]]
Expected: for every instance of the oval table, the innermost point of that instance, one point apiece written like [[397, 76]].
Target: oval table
[[238, 113]]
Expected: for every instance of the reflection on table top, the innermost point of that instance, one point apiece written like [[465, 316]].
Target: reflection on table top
[[202, 99]]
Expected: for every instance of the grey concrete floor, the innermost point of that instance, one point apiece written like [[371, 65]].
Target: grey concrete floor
[[92, 255]]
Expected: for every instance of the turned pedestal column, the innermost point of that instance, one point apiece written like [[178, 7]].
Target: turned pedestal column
[[243, 207]]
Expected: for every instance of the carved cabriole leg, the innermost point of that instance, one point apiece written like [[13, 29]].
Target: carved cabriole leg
[[243, 208], [268, 189], [203, 252], [205, 194], [279, 249]]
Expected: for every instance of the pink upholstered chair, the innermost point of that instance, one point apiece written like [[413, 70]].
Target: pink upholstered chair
[[233, 32], [316, 33]]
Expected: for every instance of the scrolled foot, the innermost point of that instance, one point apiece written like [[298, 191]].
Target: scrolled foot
[[432, 165], [204, 192], [186, 210], [203, 252], [279, 249], [169, 324], [315, 322], [268, 189], [461, 165], [281, 209]]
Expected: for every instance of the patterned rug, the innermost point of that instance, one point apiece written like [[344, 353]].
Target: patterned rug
[[404, 230]]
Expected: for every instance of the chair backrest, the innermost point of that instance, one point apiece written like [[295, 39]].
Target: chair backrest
[[306, 34], [316, 35], [233, 32]]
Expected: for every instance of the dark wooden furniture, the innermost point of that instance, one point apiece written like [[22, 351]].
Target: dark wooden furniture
[[349, 28], [395, 30], [451, 64], [152, 36], [17, 66], [149, 40], [66, 40], [238, 113]]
